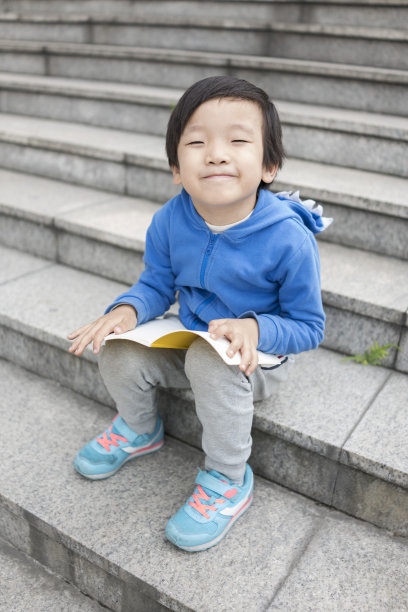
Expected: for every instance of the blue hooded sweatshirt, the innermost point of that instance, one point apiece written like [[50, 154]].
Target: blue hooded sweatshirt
[[266, 267]]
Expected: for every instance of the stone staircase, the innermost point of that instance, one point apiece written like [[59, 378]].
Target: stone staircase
[[86, 88]]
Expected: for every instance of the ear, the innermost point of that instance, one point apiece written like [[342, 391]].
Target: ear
[[268, 174], [176, 175]]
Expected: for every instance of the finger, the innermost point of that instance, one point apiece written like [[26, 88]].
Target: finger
[[75, 344], [214, 324], [246, 356], [107, 328], [236, 345], [86, 338], [124, 324], [253, 363], [223, 329], [78, 331]]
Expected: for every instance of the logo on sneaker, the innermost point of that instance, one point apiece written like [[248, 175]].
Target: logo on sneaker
[[234, 509]]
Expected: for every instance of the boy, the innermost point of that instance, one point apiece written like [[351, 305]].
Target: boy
[[245, 265]]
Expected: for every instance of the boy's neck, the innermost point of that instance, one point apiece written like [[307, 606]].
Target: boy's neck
[[225, 215]]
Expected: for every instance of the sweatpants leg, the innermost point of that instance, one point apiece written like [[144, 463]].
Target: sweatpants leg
[[131, 373], [223, 395]]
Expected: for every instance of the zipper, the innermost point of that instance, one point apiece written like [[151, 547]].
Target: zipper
[[208, 251]]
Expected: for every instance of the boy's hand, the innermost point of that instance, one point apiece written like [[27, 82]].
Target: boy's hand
[[244, 337], [120, 320]]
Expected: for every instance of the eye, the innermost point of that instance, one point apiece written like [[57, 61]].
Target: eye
[[240, 140], [195, 142]]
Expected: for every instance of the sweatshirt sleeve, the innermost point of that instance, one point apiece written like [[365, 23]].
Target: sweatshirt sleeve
[[300, 324], [154, 292]]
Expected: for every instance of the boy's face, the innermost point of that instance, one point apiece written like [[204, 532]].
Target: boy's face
[[220, 157]]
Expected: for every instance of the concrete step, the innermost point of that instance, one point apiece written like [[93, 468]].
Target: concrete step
[[324, 83], [27, 585], [107, 538], [370, 208], [355, 139], [382, 47], [393, 14]]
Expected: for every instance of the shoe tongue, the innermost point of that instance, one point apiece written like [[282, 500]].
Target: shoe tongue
[[120, 427], [220, 477]]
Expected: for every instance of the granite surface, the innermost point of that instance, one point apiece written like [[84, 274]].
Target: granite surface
[[323, 399], [283, 78], [298, 80], [40, 199], [294, 467], [15, 264], [188, 37], [90, 89], [54, 362], [150, 182], [371, 499], [36, 30], [65, 166], [286, 549], [352, 333], [30, 63], [375, 285], [372, 152], [69, 137], [55, 302], [26, 585], [179, 74], [378, 445], [120, 221], [402, 356], [31, 237], [389, 16], [347, 187], [347, 566], [103, 110], [101, 258], [363, 229], [134, 544]]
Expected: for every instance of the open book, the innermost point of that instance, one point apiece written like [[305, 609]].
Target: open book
[[169, 332]]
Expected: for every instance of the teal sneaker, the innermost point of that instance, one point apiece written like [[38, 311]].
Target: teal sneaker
[[105, 454], [211, 511]]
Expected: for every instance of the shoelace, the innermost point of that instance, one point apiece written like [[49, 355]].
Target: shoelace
[[202, 495], [109, 439]]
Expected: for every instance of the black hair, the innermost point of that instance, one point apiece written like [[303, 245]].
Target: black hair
[[226, 87]]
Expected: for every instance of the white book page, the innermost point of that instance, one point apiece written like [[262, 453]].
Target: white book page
[[151, 331]]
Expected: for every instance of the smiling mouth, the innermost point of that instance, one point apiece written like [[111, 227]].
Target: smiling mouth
[[219, 176]]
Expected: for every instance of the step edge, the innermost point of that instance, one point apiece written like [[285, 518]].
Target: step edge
[[333, 69]]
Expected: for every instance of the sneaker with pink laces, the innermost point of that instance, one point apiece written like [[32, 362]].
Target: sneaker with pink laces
[[211, 511], [104, 455]]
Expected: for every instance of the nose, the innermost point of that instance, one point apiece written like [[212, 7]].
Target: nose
[[216, 153]]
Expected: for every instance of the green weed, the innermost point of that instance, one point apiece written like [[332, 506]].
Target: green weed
[[375, 355]]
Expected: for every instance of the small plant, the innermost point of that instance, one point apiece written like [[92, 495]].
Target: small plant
[[375, 355]]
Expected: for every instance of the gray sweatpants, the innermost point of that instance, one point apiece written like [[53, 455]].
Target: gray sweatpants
[[223, 395]]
